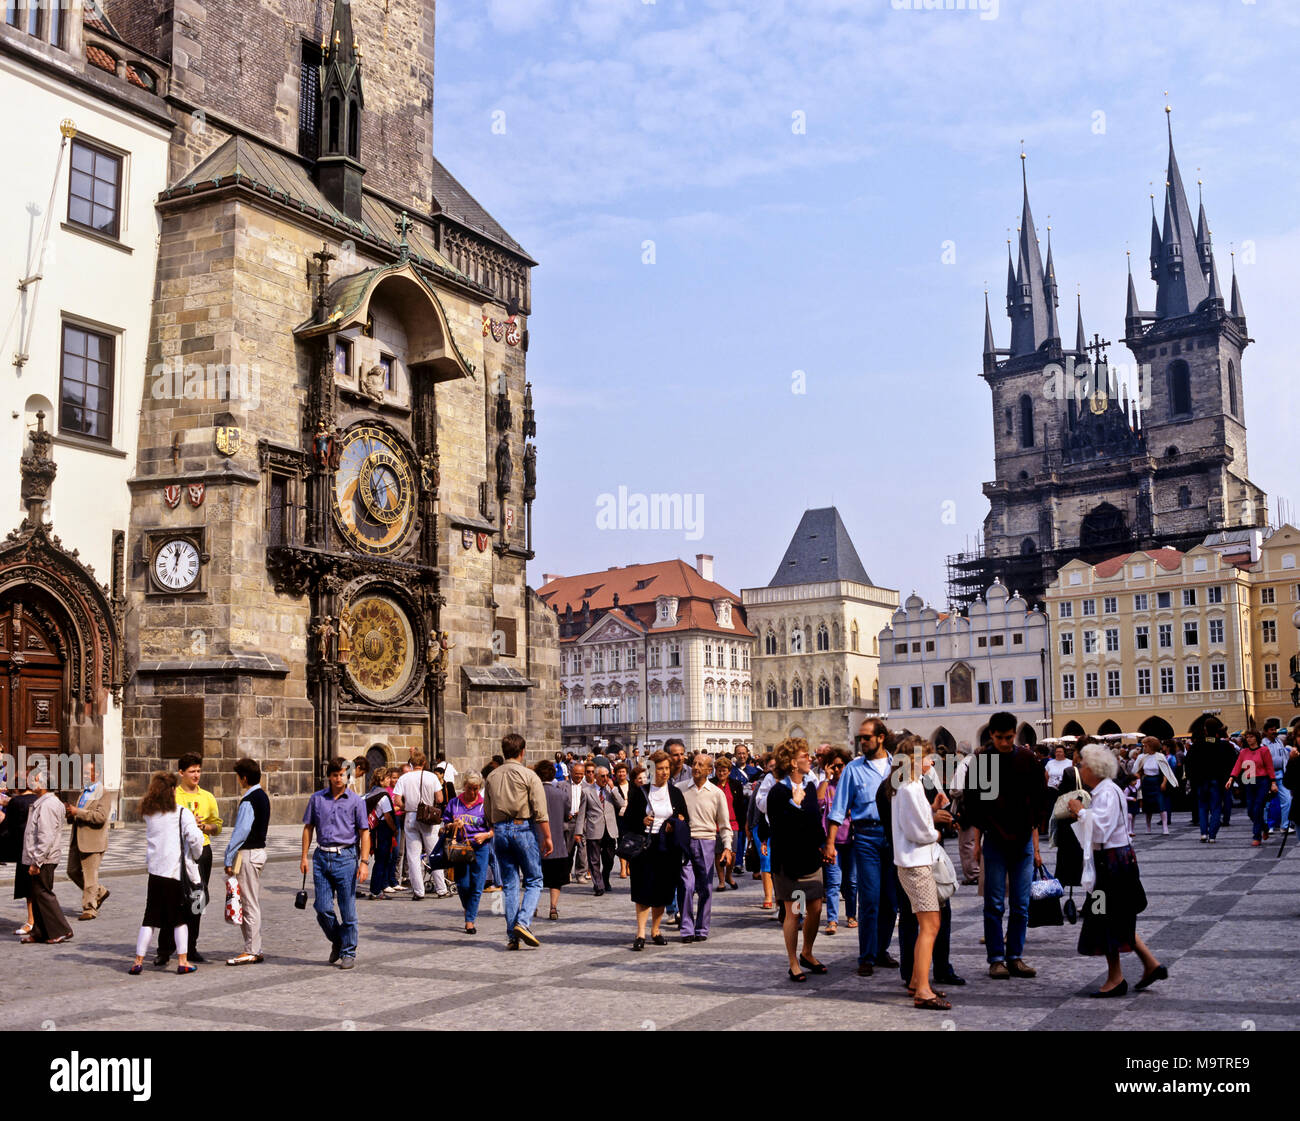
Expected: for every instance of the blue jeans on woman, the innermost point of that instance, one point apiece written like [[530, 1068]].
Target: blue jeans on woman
[[877, 892], [841, 881], [334, 874], [471, 878], [1257, 795], [1209, 797]]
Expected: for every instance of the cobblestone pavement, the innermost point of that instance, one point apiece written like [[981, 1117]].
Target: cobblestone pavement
[[1223, 918]]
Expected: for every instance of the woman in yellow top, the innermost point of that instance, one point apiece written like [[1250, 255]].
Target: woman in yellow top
[[201, 803]]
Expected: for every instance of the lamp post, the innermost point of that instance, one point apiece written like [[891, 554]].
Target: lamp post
[[600, 704]]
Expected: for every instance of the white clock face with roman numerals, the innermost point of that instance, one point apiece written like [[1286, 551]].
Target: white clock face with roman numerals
[[176, 565]]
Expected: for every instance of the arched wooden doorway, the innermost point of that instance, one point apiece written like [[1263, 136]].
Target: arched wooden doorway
[[32, 678]]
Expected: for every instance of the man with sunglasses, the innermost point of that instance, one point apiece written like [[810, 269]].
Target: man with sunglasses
[[873, 851]]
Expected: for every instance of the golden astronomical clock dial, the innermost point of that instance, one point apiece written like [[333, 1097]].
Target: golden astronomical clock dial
[[383, 647], [374, 490]]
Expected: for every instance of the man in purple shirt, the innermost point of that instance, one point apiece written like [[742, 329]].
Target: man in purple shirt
[[339, 818]]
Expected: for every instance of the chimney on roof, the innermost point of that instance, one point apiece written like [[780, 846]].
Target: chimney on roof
[[612, 568], [547, 577], [704, 565]]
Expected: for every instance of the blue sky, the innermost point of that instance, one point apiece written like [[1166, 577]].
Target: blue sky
[[778, 250]]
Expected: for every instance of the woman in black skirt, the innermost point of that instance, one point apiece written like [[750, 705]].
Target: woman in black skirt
[[173, 844], [556, 867], [13, 821], [1116, 898], [797, 841], [659, 812]]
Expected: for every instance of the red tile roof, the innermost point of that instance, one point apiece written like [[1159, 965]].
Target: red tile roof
[[99, 57], [695, 595], [1168, 559]]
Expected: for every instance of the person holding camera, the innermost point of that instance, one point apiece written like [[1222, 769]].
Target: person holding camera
[[246, 856], [338, 818]]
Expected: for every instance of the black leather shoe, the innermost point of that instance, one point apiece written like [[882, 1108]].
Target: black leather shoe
[[598, 892], [865, 969], [336, 950], [638, 943], [162, 959], [658, 939], [949, 979], [197, 957], [1119, 990], [886, 959], [1159, 973]]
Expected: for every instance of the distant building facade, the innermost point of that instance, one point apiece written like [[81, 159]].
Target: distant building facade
[[815, 626], [942, 676], [649, 652]]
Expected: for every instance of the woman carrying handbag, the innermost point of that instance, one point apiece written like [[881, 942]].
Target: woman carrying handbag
[[656, 821], [467, 843], [173, 844]]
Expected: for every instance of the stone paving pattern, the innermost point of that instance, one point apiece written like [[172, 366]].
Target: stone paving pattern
[[1222, 918]]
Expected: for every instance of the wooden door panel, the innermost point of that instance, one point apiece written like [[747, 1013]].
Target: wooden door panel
[[40, 711]]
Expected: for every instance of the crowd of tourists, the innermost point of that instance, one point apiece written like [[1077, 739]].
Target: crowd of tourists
[[831, 837]]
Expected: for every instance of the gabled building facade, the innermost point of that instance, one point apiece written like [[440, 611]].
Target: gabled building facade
[[943, 675], [649, 652], [816, 625]]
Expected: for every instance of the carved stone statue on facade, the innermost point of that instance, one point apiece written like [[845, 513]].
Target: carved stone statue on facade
[[324, 632], [372, 382], [431, 472], [505, 466], [37, 471], [439, 651], [530, 473]]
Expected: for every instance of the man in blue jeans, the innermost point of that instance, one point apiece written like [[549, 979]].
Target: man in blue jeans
[[514, 806], [1006, 789], [873, 850], [338, 817]]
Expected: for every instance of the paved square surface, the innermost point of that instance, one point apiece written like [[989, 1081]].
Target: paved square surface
[[1223, 918]]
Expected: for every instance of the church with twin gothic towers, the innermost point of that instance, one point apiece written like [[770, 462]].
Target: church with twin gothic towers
[[1088, 465]]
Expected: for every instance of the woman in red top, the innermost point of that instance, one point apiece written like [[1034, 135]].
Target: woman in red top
[[722, 780], [1254, 766]]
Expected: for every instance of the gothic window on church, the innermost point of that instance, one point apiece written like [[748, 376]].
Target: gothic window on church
[[279, 511], [769, 643], [309, 101], [771, 695], [823, 692], [853, 638], [1026, 421], [1180, 389], [354, 130], [1010, 424], [94, 194], [796, 694], [796, 641], [823, 638], [334, 124], [1026, 546], [1184, 497], [1232, 389], [86, 383]]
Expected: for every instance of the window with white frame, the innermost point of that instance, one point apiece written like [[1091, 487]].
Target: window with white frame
[[1165, 634], [1218, 676], [1270, 675], [1142, 637], [1193, 678], [1067, 643], [1191, 634], [1144, 682], [1112, 640], [1090, 684], [1189, 597], [1214, 593], [1065, 609], [708, 654], [1266, 595], [631, 657], [895, 699], [1269, 630], [1090, 642], [1089, 607], [1164, 599], [674, 659], [1216, 632], [1112, 683], [1067, 686], [1110, 604], [1166, 679], [1141, 602], [656, 655], [674, 706]]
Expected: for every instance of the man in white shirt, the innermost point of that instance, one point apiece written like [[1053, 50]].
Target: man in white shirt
[[1056, 766], [416, 788], [710, 822], [449, 772], [1279, 805], [572, 833]]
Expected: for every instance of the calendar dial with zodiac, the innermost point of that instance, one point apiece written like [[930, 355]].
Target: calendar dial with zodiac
[[374, 490]]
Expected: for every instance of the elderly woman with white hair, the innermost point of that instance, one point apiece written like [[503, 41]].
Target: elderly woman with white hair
[[465, 816], [1110, 874]]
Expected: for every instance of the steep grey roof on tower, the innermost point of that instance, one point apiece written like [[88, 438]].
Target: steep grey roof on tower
[[1029, 315], [819, 550], [1179, 273]]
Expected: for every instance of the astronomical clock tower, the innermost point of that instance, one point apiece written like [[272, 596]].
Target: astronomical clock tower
[[332, 510]]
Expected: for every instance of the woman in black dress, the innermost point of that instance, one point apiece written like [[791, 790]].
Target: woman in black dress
[[658, 812], [13, 821], [797, 842]]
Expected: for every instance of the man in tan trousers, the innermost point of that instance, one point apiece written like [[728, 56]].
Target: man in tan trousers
[[89, 818]]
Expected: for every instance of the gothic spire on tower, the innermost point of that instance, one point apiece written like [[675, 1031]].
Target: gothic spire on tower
[[1080, 339], [1029, 317], [1049, 290], [338, 166], [1236, 310], [1181, 282]]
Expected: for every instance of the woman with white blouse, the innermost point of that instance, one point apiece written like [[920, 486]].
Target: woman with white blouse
[[1110, 874], [916, 848], [1158, 781], [659, 812], [173, 844]]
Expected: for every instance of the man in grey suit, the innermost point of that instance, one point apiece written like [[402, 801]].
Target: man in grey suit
[[601, 802]]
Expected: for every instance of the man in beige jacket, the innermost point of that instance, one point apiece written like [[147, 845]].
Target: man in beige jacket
[[89, 818], [42, 849]]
